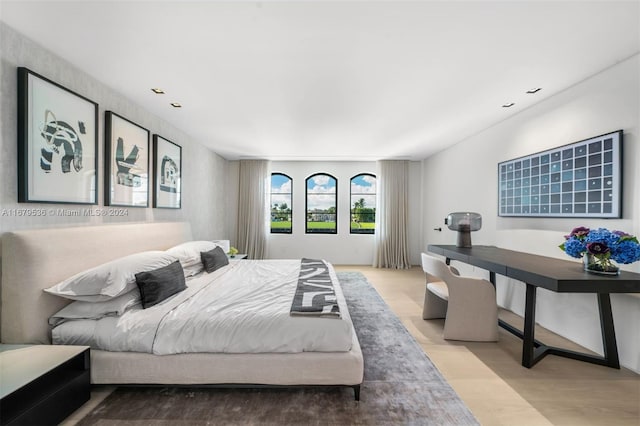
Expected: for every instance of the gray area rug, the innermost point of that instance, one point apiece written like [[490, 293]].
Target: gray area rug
[[401, 386]]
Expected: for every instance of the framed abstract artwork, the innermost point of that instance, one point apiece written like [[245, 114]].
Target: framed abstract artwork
[[126, 162], [57, 143], [167, 176], [581, 179]]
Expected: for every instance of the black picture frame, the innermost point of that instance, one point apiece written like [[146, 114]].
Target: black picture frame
[[167, 173], [57, 143], [581, 179], [126, 162]]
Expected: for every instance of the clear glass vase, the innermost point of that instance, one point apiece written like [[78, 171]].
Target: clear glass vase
[[595, 265]]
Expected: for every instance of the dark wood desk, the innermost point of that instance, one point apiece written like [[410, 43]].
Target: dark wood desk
[[562, 276]]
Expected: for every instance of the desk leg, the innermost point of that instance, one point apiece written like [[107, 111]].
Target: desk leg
[[533, 351], [609, 344], [528, 343]]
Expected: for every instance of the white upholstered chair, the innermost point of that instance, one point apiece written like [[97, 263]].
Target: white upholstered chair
[[468, 304]]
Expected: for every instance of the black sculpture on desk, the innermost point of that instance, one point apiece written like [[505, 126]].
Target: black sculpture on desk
[[464, 223]]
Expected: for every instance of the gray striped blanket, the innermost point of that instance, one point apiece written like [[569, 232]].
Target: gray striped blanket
[[315, 295]]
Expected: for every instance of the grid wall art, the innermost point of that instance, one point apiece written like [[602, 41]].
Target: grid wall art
[[582, 179]]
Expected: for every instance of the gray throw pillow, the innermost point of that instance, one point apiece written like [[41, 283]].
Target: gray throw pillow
[[214, 259], [159, 284]]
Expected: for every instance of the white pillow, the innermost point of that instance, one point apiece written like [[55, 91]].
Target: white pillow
[[189, 255], [96, 310], [110, 279], [190, 271]]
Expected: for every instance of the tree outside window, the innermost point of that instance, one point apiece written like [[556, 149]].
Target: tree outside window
[[363, 204], [281, 204], [322, 202]]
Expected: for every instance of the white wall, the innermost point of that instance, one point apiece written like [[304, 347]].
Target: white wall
[[204, 172], [464, 178], [341, 248]]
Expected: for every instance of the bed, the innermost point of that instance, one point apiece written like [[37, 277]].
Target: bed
[[33, 260]]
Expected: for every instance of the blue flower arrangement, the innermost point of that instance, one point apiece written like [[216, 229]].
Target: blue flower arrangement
[[603, 245]]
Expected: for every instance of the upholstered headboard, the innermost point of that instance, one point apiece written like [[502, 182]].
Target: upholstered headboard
[[37, 259]]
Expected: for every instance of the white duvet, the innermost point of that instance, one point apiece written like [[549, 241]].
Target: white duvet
[[240, 308]]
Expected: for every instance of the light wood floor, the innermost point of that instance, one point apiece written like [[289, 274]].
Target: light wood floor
[[490, 379]]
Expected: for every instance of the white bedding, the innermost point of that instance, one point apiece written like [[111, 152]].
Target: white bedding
[[241, 308]]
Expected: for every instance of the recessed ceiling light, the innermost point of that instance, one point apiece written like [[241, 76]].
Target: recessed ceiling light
[[157, 91], [176, 105], [508, 105], [534, 90]]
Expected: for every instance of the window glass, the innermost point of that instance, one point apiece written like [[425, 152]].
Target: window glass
[[281, 204], [363, 204], [322, 204]]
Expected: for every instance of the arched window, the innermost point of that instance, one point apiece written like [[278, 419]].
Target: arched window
[[322, 204], [281, 203], [363, 204]]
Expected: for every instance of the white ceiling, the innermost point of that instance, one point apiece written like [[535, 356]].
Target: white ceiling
[[331, 80]]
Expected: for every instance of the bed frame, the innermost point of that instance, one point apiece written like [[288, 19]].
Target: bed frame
[[33, 260]]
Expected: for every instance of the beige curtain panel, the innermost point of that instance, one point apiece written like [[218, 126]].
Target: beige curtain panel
[[252, 208], [391, 242]]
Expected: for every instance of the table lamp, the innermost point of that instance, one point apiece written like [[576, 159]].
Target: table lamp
[[464, 223]]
